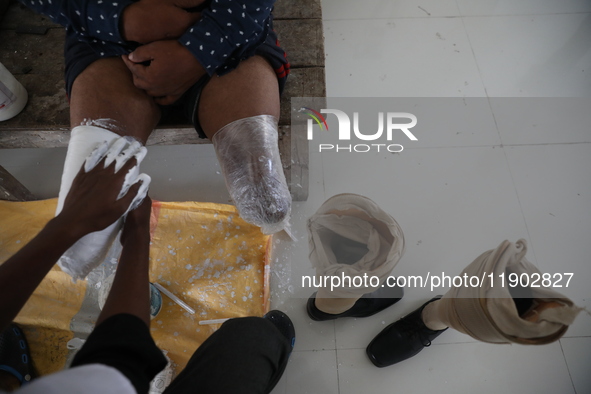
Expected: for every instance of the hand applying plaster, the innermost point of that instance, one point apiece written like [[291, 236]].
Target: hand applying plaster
[[87, 210], [116, 152], [91, 205]]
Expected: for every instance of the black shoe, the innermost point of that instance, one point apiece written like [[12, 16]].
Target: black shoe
[[14, 354], [368, 305], [402, 339], [283, 324]]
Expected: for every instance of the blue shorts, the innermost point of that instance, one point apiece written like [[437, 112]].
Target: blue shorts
[[80, 54]]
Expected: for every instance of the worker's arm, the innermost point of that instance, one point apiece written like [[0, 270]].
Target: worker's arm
[[91, 205], [130, 292], [121, 338]]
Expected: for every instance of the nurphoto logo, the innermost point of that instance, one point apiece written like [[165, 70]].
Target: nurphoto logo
[[396, 124]]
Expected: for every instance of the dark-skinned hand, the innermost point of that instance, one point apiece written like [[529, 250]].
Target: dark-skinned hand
[[164, 69], [91, 204], [137, 222]]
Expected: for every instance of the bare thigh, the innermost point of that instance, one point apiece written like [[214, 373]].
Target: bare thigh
[[249, 90], [105, 90]]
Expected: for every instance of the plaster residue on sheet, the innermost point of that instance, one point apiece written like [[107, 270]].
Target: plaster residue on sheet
[[214, 262], [203, 253]]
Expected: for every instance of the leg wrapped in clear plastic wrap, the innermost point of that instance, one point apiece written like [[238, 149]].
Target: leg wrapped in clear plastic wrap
[[88, 146], [248, 152]]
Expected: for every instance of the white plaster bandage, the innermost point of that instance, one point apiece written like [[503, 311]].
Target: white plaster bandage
[[248, 152], [83, 141], [88, 146]]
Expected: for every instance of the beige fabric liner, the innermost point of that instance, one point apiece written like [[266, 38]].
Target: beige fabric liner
[[488, 313], [343, 221]]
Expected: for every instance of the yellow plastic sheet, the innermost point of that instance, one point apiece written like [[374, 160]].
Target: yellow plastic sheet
[[202, 252], [46, 317]]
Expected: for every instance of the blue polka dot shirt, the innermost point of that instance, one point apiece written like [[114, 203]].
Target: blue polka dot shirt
[[228, 32]]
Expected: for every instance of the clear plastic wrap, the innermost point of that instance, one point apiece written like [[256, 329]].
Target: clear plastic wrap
[[248, 152], [88, 146]]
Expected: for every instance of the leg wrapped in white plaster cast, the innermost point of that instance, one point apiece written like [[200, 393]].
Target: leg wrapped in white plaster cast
[[248, 152], [88, 146]]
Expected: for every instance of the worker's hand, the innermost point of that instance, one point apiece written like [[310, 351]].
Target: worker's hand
[[164, 69], [137, 223], [151, 20], [92, 205]]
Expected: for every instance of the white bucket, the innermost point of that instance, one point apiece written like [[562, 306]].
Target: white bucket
[[13, 96]]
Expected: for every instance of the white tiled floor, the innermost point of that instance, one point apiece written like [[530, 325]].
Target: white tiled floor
[[521, 173]]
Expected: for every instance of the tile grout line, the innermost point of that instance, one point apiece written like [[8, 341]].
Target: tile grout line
[[567, 367], [532, 246], [475, 60], [503, 148], [336, 356], [458, 9], [501, 145], [576, 336], [550, 143], [433, 344], [454, 16], [323, 180]]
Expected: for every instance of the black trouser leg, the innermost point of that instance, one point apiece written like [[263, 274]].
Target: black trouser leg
[[246, 356]]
